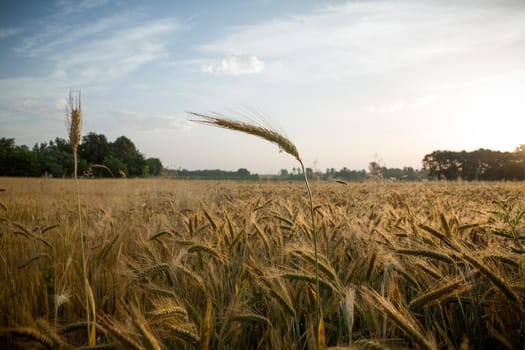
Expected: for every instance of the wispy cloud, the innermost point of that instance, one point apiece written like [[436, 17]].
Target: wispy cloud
[[151, 123], [374, 37], [90, 55], [235, 65], [109, 48], [7, 32], [55, 38], [67, 7], [38, 107]]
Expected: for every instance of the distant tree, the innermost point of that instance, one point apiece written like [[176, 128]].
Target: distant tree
[[61, 145], [54, 158], [443, 164], [154, 166], [520, 153], [350, 175], [283, 173], [48, 160], [6, 145], [375, 170], [243, 173], [482, 164], [96, 157], [94, 148], [124, 149], [17, 160], [409, 174], [389, 173], [330, 173], [115, 165], [309, 173]]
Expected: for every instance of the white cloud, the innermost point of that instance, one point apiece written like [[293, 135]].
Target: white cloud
[[181, 123], [28, 104], [109, 48], [235, 65], [151, 123], [132, 62], [61, 104], [31, 106]]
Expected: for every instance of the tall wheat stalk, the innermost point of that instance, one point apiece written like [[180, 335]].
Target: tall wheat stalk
[[287, 146], [74, 121]]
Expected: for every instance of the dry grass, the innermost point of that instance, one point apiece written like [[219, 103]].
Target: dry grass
[[222, 264]]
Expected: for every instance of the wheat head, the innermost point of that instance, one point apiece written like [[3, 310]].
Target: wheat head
[[265, 133], [74, 120]]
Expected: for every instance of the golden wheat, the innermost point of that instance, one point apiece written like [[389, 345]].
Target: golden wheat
[[265, 133], [215, 264]]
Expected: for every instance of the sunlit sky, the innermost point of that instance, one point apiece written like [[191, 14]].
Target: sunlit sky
[[348, 82]]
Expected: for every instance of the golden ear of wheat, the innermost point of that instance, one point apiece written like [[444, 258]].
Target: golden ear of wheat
[[74, 120], [265, 133]]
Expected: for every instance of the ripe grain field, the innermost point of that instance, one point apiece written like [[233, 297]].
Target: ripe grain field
[[175, 264]]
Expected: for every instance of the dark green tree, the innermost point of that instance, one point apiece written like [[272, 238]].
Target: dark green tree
[[482, 164], [124, 150], [443, 164], [243, 173], [94, 148], [17, 160], [54, 158], [154, 166], [7, 147], [115, 165], [350, 175]]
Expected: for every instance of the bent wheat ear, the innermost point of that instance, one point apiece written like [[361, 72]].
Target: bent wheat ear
[[268, 134]]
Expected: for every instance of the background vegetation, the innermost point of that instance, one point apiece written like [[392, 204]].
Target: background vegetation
[[97, 158], [100, 158], [482, 164]]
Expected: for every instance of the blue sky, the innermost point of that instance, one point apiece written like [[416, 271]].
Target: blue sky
[[348, 81]]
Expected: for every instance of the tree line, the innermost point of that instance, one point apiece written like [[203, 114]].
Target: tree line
[[407, 173], [482, 164], [97, 158], [375, 171], [241, 173], [100, 158]]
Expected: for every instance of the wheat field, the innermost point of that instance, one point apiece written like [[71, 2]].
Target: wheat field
[[179, 264]]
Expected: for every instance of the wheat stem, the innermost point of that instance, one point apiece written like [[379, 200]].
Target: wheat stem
[[74, 119], [285, 145]]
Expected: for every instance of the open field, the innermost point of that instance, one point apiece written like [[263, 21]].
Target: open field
[[176, 264]]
